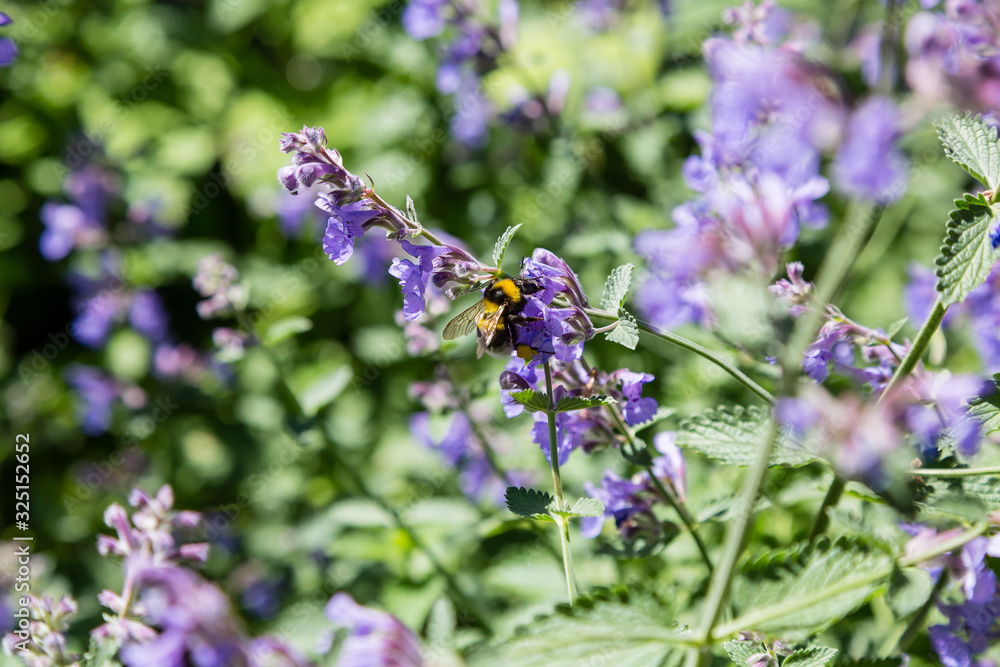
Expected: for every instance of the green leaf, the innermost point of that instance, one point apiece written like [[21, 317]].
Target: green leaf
[[986, 409], [533, 401], [627, 331], [286, 328], [967, 256], [616, 288], [631, 627], [501, 245], [985, 489], [816, 656], [801, 592], [582, 507], [529, 503], [324, 390], [741, 652], [972, 144], [571, 403], [895, 328], [733, 435]]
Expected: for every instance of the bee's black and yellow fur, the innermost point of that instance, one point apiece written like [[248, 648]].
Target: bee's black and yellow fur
[[496, 316]]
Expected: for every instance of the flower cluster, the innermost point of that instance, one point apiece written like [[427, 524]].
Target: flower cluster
[[472, 51], [774, 115], [555, 317], [375, 637], [954, 55], [589, 429], [973, 623], [630, 501], [929, 411], [41, 643], [145, 541], [99, 393], [470, 442], [8, 49]]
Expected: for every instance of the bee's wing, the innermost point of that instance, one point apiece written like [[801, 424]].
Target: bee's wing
[[488, 330], [465, 322], [492, 324]]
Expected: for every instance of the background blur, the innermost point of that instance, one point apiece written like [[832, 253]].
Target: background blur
[[181, 103]]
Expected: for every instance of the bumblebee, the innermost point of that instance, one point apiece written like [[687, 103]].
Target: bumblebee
[[495, 317]]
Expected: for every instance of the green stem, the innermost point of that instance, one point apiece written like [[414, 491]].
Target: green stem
[[689, 521], [691, 346], [561, 521], [955, 472], [918, 348], [292, 406], [844, 251], [831, 500]]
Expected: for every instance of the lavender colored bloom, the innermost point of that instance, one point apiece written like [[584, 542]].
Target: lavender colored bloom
[[195, 622], [762, 23], [216, 280], [66, 227], [45, 643], [621, 499], [148, 316], [637, 409], [345, 225], [869, 165], [670, 464], [414, 276], [424, 19], [98, 393], [8, 49], [376, 639], [794, 291], [97, 317]]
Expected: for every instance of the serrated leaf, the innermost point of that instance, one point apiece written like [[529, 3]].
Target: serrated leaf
[[529, 503], [972, 144], [816, 656], [501, 245], [983, 488], [986, 408], [632, 628], [801, 592], [533, 401], [627, 331], [733, 435], [586, 507], [616, 288], [571, 403], [286, 328], [741, 652], [968, 255]]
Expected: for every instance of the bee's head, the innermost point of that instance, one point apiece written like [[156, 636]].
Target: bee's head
[[531, 285]]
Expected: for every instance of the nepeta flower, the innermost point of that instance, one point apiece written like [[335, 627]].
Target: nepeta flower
[[194, 619], [99, 393], [869, 165], [376, 639], [630, 501], [216, 280], [954, 55], [79, 224], [8, 49], [44, 644], [794, 291], [637, 409], [414, 276], [148, 316]]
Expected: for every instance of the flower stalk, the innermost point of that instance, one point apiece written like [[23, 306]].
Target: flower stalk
[[561, 521]]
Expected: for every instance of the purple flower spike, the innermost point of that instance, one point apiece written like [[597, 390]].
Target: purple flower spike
[[637, 409], [8, 49], [376, 639], [414, 276], [98, 393], [869, 165]]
